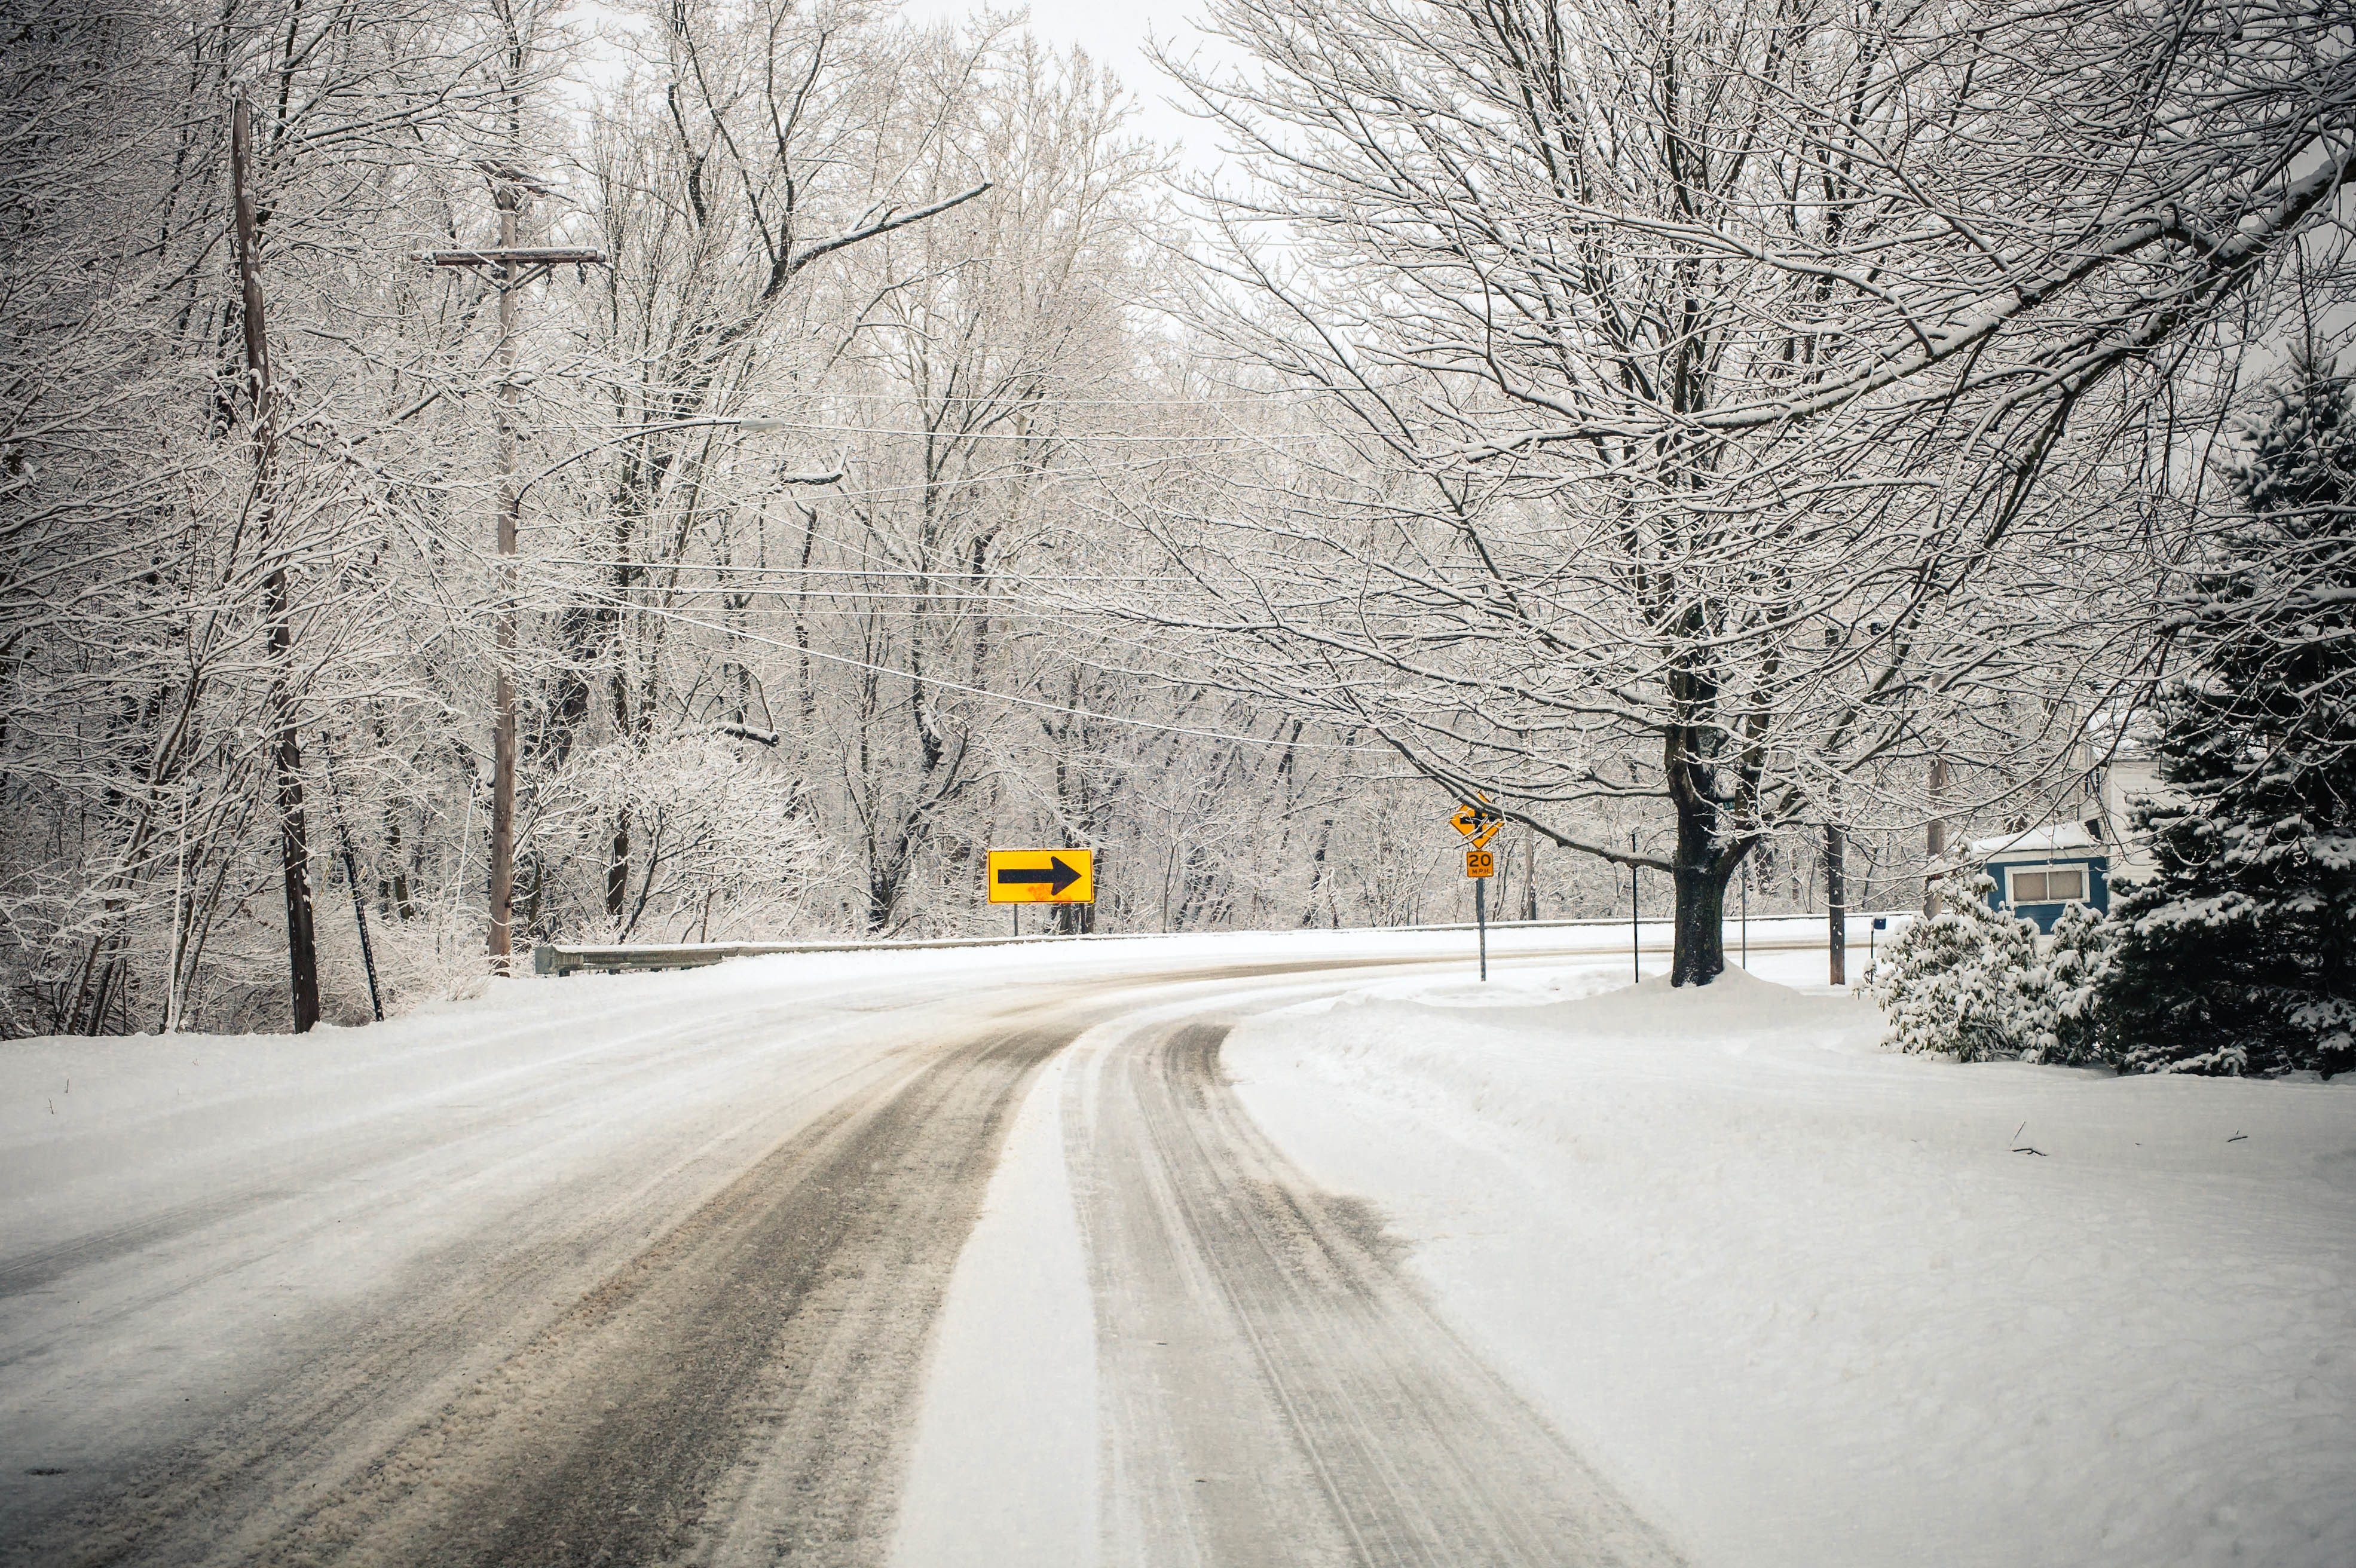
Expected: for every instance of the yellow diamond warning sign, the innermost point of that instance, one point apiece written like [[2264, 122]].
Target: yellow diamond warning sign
[[1478, 823], [1042, 876]]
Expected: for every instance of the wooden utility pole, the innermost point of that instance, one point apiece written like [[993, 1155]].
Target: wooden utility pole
[[286, 746], [512, 268], [510, 198], [1837, 901]]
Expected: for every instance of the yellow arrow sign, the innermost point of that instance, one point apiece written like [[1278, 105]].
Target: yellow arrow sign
[[1042, 876]]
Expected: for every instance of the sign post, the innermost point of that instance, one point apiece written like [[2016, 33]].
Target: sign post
[[1481, 865], [1635, 946], [1479, 823]]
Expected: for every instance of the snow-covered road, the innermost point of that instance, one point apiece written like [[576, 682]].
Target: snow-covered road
[[648, 1269], [1298, 1249]]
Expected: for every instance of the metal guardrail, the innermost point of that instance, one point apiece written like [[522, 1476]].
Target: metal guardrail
[[566, 957], [562, 958]]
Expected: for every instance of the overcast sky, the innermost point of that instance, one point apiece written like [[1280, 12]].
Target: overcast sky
[[1115, 32]]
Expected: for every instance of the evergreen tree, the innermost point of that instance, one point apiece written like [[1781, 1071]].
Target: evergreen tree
[[2075, 964], [2237, 953]]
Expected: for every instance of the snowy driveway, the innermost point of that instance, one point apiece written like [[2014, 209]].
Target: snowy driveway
[[653, 1269]]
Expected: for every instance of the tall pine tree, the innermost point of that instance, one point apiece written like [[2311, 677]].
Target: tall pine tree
[[2237, 953]]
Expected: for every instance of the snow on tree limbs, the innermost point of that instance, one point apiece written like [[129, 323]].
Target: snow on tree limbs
[[1730, 407]]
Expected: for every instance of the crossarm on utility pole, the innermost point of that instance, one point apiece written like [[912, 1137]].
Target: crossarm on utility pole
[[519, 255]]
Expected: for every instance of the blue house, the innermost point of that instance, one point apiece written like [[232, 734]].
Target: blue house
[[2040, 871]]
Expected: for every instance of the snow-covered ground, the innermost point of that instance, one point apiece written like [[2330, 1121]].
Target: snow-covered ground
[[1805, 1301], [1814, 1304], [89, 1125]]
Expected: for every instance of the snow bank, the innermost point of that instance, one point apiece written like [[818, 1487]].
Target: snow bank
[[1816, 1303]]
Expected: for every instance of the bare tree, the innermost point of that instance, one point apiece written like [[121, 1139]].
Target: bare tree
[[758, 141], [171, 619], [1718, 401]]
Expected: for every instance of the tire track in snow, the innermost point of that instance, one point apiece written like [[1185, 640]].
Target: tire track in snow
[[351, 1151], [1276, 1392], [741, 1389]]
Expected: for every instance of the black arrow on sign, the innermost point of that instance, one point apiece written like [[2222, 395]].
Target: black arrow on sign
[[1057, 877]]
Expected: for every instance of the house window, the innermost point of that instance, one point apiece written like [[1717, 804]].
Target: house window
[[2051, 885]]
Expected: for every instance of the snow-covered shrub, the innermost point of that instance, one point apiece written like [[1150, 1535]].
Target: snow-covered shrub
[[1978, 983], [2074, 963], [721, 842], [1948, 983]]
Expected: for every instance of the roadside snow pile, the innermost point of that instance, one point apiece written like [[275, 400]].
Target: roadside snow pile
[[1814, 1304]]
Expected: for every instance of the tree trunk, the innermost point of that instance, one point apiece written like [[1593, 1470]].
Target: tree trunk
[[1703, 864], [295, 840], [1703, 867], [287, 751], [1934, 835], [1700, 926], [397, 889], [617, 866]]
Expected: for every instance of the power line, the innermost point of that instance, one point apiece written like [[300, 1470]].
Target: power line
[[945, 399], [1043, 479], [1012, 579], [1070, 402], [984, 692], [1072, 437], [824, 602]]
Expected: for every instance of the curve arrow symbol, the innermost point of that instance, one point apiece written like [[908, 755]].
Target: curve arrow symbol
[[1059, 876]]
